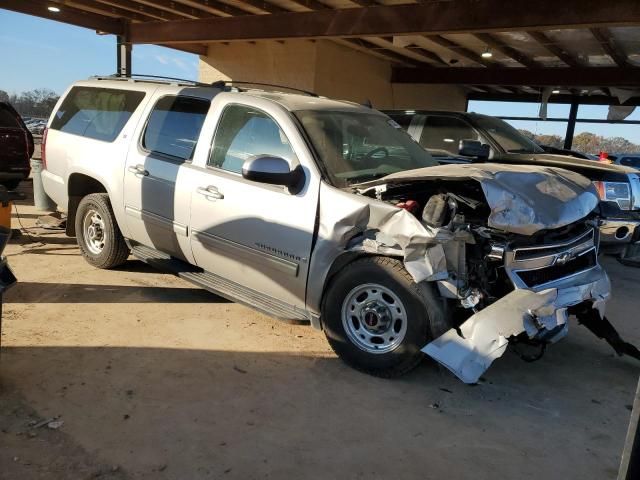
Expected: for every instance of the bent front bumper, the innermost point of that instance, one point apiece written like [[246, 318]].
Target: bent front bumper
[[618, 233], [469, 350]]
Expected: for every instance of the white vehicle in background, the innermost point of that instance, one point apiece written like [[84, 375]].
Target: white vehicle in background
[[313, 209]]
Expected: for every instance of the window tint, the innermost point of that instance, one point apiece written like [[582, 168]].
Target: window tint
[[442, 135], [403, 119], [8, 119], [174, 126], [245, 132], [506, 135], [631, 162], [99, 113]]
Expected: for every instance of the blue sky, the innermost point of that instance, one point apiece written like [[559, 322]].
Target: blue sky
[[40, 53]]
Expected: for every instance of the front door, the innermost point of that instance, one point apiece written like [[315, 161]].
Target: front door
[[256, 235]]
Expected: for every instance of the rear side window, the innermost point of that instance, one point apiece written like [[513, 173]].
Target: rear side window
[[99, 113], [8, 119], [174, 126]]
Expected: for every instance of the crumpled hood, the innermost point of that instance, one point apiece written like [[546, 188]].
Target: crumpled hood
[[523, 199]]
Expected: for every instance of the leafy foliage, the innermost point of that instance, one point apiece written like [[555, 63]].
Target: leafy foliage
[[34, 103], [586, 142]]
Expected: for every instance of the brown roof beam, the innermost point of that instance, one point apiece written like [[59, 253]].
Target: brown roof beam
[[174, 8], [610, 46], [189, 48], [364, 3], [312, 4], [265, 6], [427, 54], [423, 18], [128, 5], [70, 15], [505, 49], [458, 49], [554, 48], [214, 7], [108, 10], [550, 77], [365, 45]]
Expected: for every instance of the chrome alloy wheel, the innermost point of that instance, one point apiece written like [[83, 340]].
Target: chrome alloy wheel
[[374, 318], [94, 232]]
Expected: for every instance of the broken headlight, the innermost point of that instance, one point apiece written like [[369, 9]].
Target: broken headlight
[[619, 192]]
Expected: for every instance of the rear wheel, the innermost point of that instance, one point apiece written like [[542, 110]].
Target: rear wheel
[[376, 318], [98, 235]]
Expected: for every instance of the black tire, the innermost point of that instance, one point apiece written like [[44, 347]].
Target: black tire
[[423, 309], [11, 184], [115, 251]]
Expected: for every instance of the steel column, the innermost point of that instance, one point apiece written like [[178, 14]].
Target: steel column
[[123, 50], [571, 125]]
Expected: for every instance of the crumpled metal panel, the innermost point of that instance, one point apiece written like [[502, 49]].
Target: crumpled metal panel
[[523, 199], [471, 349], [355, 223]]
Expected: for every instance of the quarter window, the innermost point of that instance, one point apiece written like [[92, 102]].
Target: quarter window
[[245, 132], [98, 113], [174, 126]]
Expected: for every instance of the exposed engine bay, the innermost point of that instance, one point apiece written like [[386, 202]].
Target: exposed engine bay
[[504, 279]]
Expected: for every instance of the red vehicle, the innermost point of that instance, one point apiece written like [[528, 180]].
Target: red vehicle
[[16, 147]]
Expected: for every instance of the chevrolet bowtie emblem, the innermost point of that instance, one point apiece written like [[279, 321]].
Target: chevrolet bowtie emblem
[[564, 258]]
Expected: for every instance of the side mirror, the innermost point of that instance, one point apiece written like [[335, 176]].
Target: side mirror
[[474, 148], [273, 170]]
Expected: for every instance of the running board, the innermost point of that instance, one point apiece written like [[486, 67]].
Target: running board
[[218, 285]]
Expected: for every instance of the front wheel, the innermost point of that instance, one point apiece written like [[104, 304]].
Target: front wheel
[[376, 318], [98, 234]]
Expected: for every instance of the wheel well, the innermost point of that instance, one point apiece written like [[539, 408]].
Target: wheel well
[[340, 263], [79, 186]]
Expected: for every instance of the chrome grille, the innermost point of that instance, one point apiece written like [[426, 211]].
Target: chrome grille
[[538, 266]]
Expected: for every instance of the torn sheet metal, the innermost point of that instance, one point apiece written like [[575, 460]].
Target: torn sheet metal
[[470, 350], [523, 199], [356, 223]]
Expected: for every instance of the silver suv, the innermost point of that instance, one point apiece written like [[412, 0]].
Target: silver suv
[[313, 209]]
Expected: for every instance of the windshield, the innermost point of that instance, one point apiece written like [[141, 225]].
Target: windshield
[[506, 136], [356, 147]]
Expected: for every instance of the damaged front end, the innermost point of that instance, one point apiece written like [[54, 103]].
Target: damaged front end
[[512, 250]]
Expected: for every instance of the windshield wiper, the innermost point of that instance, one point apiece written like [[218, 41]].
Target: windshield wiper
[[366, 178], [522, 150]]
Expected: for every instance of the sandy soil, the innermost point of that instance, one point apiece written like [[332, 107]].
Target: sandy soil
[[155, 379]]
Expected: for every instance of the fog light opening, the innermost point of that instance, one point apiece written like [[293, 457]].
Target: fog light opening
[[622, 233]]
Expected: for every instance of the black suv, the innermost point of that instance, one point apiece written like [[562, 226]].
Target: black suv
[[16, 147]]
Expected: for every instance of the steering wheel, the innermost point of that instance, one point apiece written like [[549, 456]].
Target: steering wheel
[[369, 155]]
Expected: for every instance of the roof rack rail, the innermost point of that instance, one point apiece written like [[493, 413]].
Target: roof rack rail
[[230, 83], [156, 78], [220, 84]]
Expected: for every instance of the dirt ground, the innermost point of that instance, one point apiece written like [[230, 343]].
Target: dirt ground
[[155, 379]]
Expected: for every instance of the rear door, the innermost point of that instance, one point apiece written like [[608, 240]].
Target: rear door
[[157, 216], [256, 235]]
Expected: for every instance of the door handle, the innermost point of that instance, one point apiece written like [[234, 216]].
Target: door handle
[[139, 170], [210, 191]]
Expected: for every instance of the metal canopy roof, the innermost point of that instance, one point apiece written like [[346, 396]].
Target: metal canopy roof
[[571, 45]]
